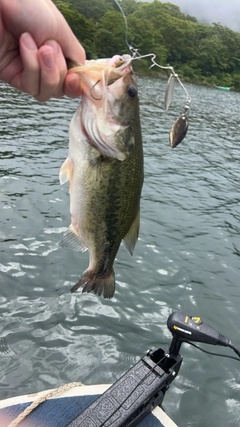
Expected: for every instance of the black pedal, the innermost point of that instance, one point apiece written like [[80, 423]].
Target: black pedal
[[134, 395]]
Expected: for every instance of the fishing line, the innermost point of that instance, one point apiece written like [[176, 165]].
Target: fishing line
[[180, 127], [126, 23], [137, 55]]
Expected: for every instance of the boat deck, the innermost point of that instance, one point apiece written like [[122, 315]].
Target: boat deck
[[60, 411]]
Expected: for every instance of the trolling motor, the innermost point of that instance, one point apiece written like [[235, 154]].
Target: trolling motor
[[187, 329], [133, 396]]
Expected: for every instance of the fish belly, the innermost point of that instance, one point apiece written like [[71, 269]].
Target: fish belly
[[104, 204]]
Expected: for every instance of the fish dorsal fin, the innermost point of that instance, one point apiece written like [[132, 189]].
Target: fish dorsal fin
[[132, 235], [71, 240]]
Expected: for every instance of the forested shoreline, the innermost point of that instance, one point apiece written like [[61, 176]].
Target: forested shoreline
[[199, 53]]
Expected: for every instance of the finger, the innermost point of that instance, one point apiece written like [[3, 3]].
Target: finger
[[61, 66], [49, 73], [28, 80], [72, 85], [74, 50], [71, 47]]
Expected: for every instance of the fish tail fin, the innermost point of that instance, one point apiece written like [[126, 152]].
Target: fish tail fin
[[97, 284]]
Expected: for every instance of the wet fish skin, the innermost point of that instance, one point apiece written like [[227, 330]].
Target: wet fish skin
[[105, 189]]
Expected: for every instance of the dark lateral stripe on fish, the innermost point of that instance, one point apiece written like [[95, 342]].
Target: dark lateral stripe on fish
[[105, 146]]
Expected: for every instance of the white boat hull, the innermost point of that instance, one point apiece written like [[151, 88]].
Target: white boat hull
[[60, 410]]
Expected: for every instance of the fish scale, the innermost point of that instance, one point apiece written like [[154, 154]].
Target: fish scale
[[105, 170]]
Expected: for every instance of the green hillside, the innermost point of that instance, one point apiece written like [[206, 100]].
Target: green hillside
[[208, 54]]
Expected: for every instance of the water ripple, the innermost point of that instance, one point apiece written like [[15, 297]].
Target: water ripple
[[187, 257]]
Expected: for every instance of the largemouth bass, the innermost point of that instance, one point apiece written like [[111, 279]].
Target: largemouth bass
[[105, 170]]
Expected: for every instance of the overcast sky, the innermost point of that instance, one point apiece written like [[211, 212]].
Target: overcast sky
[[227, 12]]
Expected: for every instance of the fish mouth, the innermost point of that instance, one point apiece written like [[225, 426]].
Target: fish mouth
[[120, 61], [97, 74], [104, 83], [118, 67]]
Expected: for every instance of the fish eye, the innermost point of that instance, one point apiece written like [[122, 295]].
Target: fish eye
[[119, 62], [132, 91]]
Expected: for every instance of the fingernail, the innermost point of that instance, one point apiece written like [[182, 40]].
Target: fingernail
[[28, 41], [54, 45], [48, 59]]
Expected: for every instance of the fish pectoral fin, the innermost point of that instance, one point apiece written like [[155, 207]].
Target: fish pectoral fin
[[71, 240], [66, 171], [132, 235]]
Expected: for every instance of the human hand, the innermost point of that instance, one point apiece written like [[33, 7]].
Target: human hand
[[35, 39]]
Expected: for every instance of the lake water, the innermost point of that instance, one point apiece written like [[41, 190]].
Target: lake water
[[187, 257]]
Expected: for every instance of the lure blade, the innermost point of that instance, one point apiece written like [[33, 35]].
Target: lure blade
[[169, 91], [178, 130]]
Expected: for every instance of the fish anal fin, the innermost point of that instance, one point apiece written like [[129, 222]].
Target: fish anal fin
[[104, 284], [66, 171], [71, 240], [132, 235]]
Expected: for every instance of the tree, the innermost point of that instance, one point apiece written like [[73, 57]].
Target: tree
[[83, 28], [111, 35], [128, 6], [93, 9], [207, 53], [146, 39]]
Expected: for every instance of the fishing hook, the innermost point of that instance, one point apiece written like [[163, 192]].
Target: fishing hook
[[136, 55], [91, 92]]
